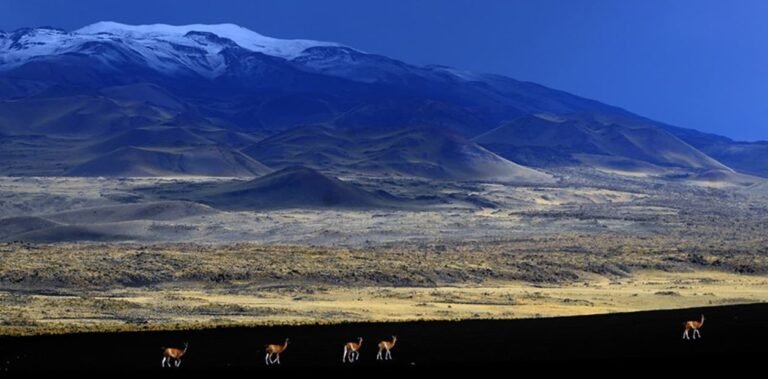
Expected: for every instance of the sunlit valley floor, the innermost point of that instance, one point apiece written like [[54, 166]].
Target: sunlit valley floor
[[590, 243]]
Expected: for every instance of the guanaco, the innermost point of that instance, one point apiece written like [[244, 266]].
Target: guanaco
[[386, 346], [695, 326], [172, 354], [352, 350], [275, 349]]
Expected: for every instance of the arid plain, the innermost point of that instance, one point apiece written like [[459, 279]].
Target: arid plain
[[589, 242]]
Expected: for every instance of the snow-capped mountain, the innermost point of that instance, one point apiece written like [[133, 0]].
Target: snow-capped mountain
[[165, 48], [108, 79], [210, 51]]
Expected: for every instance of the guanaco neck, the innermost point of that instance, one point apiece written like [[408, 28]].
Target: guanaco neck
[[285, 345], [702, 321], [394, 341]]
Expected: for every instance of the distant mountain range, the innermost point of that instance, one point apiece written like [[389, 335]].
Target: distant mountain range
[[220, 100]]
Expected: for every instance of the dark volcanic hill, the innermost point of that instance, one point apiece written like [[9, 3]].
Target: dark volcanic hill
[[292, 187]]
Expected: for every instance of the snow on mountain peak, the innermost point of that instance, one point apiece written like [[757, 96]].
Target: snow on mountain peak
[[245, 38], [165, 48], [210, 51]]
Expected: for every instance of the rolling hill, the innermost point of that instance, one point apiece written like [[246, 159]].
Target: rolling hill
[[746, 157], [207, 160], [292, 187], [107, 223], [155, 211], [150, 137], [550, 140], [423, 152]]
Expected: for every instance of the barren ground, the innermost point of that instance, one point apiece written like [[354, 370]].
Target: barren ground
[[61, 288], [591, 243]]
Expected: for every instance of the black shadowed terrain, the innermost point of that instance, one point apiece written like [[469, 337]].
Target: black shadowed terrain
[[729, 332]]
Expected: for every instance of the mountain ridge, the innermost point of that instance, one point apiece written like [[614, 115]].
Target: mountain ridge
[[425, 152], [144, 76]]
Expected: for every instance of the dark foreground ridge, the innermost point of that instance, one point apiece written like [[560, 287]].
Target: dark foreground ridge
[[730, 333]]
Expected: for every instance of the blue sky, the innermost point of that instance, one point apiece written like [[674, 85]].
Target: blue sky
[[694, 63]]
